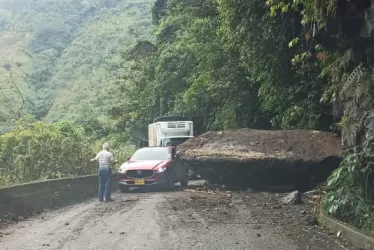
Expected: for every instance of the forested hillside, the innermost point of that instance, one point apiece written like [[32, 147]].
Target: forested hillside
[[55, 54], [226, 63], [60, 61]]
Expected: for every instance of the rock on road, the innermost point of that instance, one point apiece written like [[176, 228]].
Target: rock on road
[[171, 220]]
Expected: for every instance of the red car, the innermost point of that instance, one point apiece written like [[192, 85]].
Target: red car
[[152, 166]]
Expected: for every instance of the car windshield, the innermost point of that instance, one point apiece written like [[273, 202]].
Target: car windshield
[[175, 141], [154, 154]]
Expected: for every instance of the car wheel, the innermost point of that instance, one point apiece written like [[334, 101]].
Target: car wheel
[[124, 189]]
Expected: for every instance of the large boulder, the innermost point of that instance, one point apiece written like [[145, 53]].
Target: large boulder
[[251, 158]]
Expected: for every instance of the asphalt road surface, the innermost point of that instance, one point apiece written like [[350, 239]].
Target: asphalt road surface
[[174, 220]]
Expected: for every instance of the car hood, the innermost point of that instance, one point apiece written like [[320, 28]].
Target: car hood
[[143, 165]]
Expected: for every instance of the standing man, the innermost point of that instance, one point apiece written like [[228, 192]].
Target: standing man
[[105, 159]]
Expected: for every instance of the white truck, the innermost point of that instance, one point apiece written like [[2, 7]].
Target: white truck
[[169, 131]]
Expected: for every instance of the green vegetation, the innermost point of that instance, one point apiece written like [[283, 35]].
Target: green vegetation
[[350, 195], [57, 56], [59, 61], [34, 150], [224, 65], [85, 73], [341, 48]]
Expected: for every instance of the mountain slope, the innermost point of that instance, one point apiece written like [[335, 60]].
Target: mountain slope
[[90, 63], [56, 53]]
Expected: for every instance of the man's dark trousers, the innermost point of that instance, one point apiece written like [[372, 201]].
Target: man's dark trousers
[[105, 183]]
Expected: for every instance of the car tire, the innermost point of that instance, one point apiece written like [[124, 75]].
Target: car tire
[[124, 189]]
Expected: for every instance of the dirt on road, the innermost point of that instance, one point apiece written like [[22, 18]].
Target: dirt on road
[[188, 219]]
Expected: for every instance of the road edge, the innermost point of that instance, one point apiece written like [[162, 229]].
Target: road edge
[[354, 235], [18, 202]]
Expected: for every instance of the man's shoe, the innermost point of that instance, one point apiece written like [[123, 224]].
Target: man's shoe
[[109, 200]]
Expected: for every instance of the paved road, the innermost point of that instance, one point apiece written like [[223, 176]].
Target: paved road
[[169, 220]]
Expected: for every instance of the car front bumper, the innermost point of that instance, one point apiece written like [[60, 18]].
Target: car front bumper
[[146, 183], [156, 179]]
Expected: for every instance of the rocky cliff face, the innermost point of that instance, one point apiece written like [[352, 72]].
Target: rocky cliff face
[[352, 29], [354, 103]]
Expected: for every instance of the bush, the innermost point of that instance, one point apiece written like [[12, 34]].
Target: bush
[[35, 151], [349, 196]]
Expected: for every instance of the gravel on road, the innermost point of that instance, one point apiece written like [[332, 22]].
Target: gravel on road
[[191, 219]]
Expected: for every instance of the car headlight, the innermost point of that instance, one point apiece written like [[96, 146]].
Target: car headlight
[[160, 170], [122, 170]]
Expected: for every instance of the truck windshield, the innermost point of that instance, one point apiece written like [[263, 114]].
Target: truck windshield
[[154, 154], [175, 141]]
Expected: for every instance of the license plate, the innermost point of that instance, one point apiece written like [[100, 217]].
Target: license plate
[[139, 182]]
